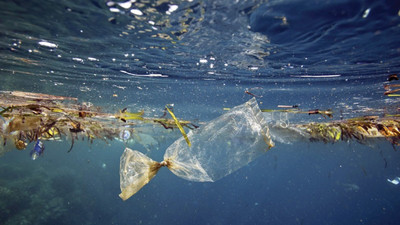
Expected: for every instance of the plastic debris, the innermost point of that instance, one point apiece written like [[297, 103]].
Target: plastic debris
[[124, 135], [395, 181], [37, 150], [219, 148]]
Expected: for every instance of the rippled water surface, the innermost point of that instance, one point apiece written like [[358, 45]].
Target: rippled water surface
[[203, 56]]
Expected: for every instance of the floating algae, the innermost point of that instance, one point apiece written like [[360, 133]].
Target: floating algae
[[27, 117], [178, 125], [218, 148], [362, 129]]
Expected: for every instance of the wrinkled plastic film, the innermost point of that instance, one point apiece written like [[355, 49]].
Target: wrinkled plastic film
[[221, 146], [136, 170], [218, 148], [287, 135]]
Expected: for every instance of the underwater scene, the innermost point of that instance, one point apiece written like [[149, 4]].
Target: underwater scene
[[199, 112]]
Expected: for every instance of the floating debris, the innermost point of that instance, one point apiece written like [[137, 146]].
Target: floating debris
[[28, 117], [37, 96], [218, 148], [204, 154], [38, 150], [295, 109], [178, 124], [389, 90], [47, 44], [395, 181], [362, 129], [392, 77], [125, 135]]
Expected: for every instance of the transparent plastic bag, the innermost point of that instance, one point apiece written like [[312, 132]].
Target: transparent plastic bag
[[218, 148], [136, 170], [222, 146]]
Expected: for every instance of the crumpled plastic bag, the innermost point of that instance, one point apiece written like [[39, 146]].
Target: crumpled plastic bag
[[218, 148], [136, 170]]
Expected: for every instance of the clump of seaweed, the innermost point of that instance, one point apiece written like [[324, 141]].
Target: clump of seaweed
[[28, 117], [31, 117], [360, 129]]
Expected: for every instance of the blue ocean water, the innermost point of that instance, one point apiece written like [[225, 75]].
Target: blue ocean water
[[202, 56]]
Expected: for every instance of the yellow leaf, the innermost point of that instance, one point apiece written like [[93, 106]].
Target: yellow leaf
[[179, 126]]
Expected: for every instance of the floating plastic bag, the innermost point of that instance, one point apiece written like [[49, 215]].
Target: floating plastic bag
[[136, 170], [218, 148]]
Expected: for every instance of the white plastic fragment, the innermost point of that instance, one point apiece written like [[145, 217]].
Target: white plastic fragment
[[92, 59], [171, 9], [125, 5], [366, 13], [395, 181], [78, 59], [136, 12], [114, 10], [47, 44]]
